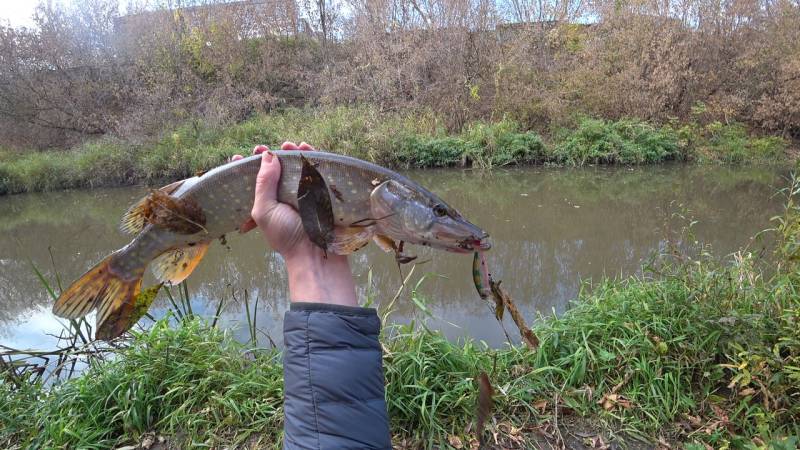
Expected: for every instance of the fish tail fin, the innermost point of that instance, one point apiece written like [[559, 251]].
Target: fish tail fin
[[113, 294]]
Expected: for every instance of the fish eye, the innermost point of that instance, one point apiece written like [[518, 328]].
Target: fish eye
[[440, 210]]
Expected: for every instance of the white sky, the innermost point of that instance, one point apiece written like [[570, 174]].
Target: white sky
[[17, 12]]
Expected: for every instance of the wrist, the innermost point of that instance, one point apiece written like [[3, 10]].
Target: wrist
[[314, 278]]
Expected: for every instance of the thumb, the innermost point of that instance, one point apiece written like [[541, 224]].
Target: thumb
[[266, 190]]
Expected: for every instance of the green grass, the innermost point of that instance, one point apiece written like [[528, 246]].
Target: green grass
[[697, 352], [622, 142], [401, 140], [192, 382], [675, 345], [729, 143]]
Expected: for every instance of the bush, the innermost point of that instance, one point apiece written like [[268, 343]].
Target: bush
[[623, 142], [418, 151], [479, 144], [503, 143], [730, 143], [412, 139]]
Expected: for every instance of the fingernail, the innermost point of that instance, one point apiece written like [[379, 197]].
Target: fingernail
[[260, 149], [268, 156]]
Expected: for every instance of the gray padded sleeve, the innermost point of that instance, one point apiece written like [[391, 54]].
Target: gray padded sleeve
[[334, 384]]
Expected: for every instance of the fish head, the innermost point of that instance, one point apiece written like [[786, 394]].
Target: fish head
[[408, 212]]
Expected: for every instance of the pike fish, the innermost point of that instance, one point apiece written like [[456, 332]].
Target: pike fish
[[174, 226]]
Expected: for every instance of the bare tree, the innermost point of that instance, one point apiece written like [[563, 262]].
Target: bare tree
[[88, 70]]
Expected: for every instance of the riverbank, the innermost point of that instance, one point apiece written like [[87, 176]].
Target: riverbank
[[695, 353], [390, 139]]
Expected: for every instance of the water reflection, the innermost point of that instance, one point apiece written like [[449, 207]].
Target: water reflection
[[551, 228]]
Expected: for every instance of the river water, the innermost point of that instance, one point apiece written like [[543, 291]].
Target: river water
[[551, 228]]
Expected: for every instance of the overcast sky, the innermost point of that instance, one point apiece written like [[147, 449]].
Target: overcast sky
[[17, 12]]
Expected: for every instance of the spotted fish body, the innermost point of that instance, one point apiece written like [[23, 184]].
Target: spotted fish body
[[226, 194], [174, 226]]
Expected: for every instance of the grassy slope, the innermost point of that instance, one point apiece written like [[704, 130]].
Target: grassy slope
[[397, 140], [704, 354]]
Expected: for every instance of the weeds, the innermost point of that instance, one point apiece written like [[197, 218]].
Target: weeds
[[192, 381], [415, 139], [621, 142], [695, 352], [728, 143]]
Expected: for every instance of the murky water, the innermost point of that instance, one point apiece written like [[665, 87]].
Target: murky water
[[551, 228]]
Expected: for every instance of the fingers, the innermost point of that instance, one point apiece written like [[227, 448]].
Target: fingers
[[248, 225], [257, 150], [288, 145], [266, 190]]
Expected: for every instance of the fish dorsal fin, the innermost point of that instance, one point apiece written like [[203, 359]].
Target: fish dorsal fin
[[386, 243], [172, 187], [135, 218], [182, 215], [174, 266], [347, 240]]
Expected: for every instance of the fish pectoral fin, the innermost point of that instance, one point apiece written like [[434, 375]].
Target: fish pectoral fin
[[347, 240], [135, 218], [386, 243], [314, 206], [174, 266]]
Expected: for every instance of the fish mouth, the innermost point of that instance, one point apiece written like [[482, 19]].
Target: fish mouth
[[473, 244]]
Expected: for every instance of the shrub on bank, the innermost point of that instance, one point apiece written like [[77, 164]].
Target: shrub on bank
[[412, 139], [479, 144], [503, 143], [625, 141], [729, 143]]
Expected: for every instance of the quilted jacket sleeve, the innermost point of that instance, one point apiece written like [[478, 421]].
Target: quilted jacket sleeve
[[334, 384]]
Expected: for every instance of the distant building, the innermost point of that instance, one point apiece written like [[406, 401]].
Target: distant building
[[251, 18]]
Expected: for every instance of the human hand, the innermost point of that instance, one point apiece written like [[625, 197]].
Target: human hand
[[279, 222], [312, 275]]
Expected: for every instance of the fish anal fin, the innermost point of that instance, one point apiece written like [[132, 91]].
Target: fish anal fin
[[135, 218], [174, 266], [347, 240], [386, 243], [143, 301]]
